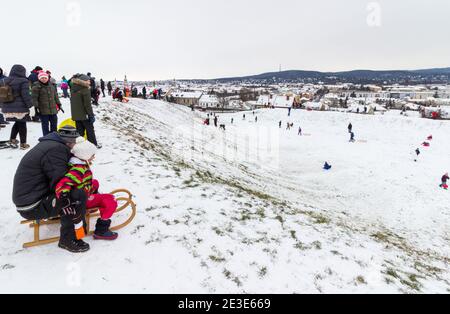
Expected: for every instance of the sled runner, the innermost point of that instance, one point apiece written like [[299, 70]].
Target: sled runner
[[125, 202]]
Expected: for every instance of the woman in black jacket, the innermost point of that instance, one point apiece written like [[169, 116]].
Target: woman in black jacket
[[19, 108]]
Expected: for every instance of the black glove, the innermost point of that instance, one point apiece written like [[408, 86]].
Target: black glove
[[92, 119], [67, 208]]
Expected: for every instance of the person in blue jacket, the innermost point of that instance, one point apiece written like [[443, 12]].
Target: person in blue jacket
[[327, 166]]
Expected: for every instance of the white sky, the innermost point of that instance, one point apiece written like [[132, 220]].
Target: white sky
[[166, 39]]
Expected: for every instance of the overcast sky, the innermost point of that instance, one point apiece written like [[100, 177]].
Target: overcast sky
[[167, 39]]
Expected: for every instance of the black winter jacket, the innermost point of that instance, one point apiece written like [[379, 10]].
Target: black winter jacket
[[40, 170], [21, 90]]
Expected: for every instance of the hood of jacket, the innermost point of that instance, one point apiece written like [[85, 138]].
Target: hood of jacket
[[18, 71], [52, 137]]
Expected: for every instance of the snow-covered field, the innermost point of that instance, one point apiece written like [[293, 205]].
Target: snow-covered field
[[250, 209]]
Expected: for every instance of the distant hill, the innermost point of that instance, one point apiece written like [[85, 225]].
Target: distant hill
[[426, 75]]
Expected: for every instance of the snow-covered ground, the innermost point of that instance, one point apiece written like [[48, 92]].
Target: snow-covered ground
[[250, 209]]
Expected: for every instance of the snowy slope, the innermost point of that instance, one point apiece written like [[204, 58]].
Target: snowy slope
[[250, 209]]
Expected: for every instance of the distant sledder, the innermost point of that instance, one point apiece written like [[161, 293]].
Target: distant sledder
[[444, 180]]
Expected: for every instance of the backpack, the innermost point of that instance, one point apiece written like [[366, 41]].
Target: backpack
[[6, 93]]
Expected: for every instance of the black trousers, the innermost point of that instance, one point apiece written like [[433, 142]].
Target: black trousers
[[50, 207], [19, 127], [88, 128]]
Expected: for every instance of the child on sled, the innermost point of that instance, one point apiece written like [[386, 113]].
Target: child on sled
[[80, 177]]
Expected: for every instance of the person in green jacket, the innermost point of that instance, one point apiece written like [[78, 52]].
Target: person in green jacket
[[46, 103], [80, 103]]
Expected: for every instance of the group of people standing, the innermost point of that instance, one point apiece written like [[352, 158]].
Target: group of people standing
[[19, 93], [54, 178]]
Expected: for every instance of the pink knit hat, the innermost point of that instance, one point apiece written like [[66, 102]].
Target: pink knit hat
[[42, 74]]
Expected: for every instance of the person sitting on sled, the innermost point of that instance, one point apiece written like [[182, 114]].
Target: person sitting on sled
[[444, 179], [80, 177], [327, 166]]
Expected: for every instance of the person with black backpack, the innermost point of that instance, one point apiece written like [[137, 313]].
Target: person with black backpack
[[15, 101]]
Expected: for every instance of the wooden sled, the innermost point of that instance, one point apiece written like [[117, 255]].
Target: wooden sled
[[127, 201]]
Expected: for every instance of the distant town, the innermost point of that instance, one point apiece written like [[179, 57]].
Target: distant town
[[249, 93]]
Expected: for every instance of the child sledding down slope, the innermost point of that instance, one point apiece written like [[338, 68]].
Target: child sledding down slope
[[80, 177]]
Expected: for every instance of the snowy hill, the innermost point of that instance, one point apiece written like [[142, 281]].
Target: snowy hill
[[250, 209]]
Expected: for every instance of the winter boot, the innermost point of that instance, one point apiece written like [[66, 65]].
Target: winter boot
[[14, 143], [24, 146], [68, 239], [102, 231], [73, 246]]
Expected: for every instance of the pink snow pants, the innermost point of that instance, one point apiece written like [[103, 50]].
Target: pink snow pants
[[106, 203]]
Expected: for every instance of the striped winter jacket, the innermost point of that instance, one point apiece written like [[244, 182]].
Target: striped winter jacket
[[78, 177]]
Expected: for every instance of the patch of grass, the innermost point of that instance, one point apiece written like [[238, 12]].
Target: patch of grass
[[262, 272], [280, 219], [218, 231], [319, 218], [245, 216], [231, 277], [217, 259], [413, 285], [301, 246], [8, 266], [136, 230], [361, 280], [431, 270], [391, 272], [317, 245], [293, 234], [261, 213]]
